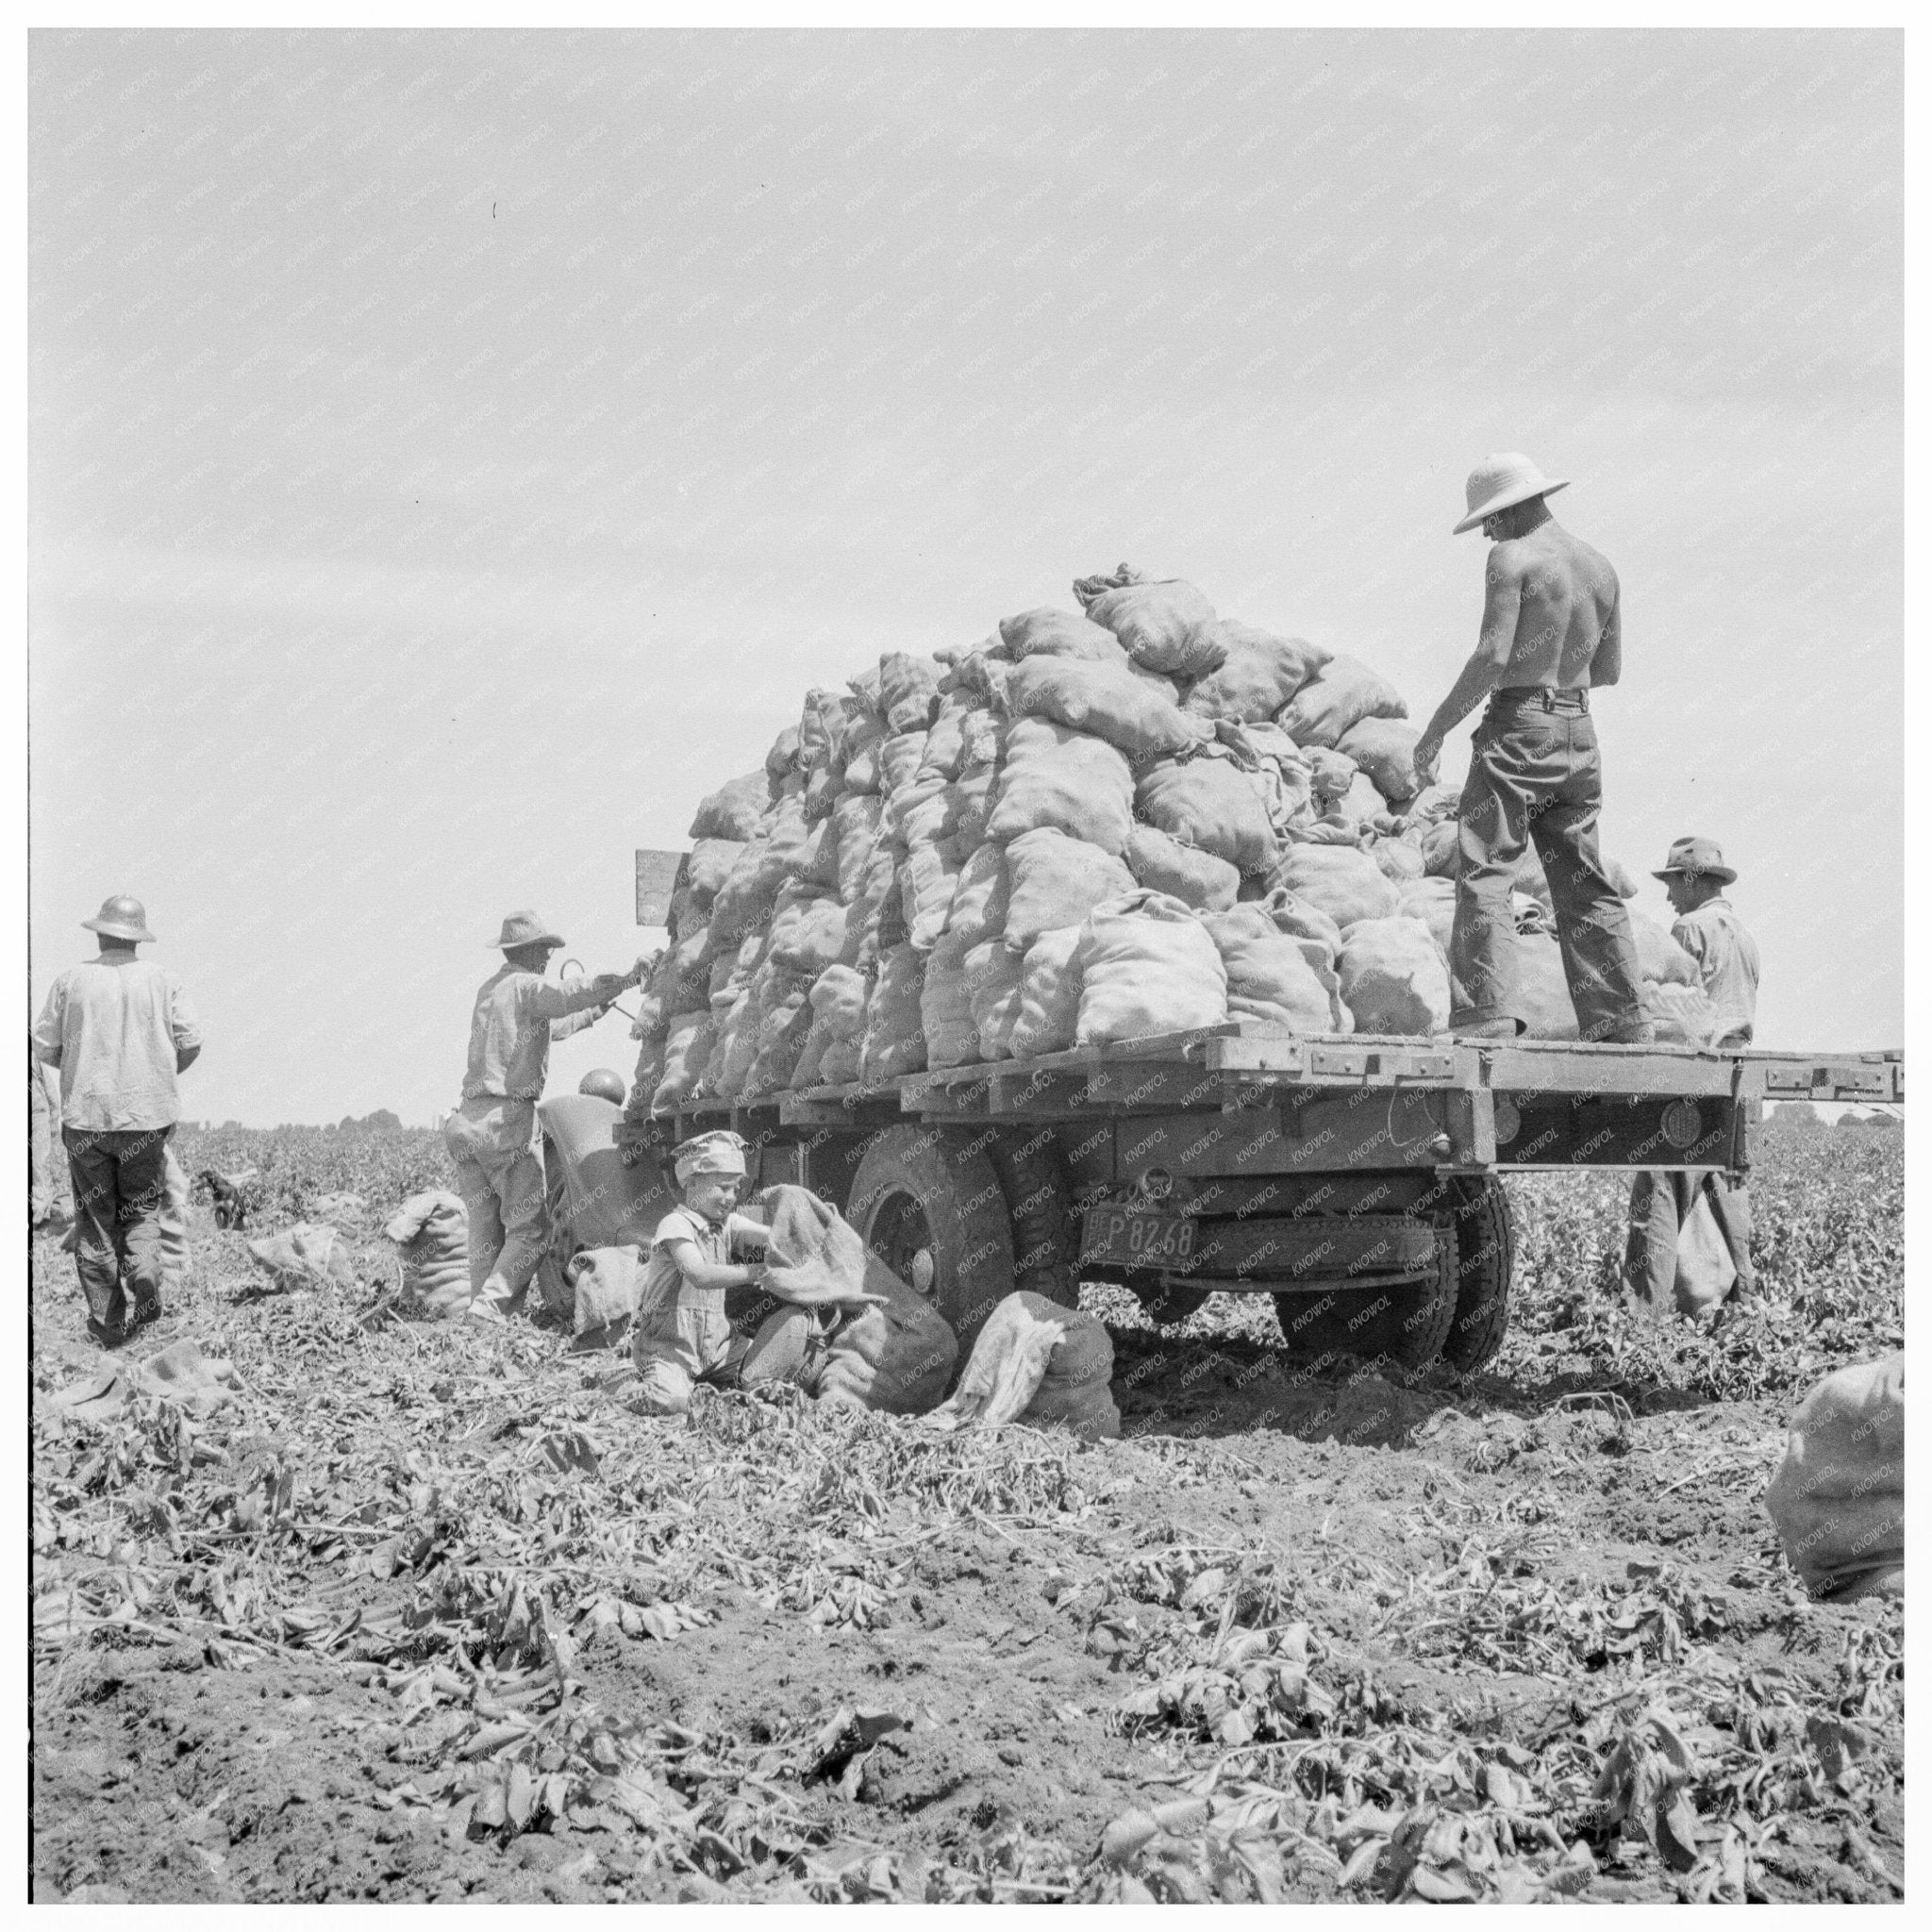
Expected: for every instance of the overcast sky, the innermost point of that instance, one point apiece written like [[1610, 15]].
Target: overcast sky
[[453, 454]]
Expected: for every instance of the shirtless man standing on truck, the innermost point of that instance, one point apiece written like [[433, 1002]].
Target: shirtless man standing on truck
[[1551, 632]]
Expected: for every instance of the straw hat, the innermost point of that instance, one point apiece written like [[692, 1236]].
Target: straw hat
[[1701, 859], [525, 930], [1501, 482]]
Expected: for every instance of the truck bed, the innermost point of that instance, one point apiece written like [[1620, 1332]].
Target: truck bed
[[1349, 1100]]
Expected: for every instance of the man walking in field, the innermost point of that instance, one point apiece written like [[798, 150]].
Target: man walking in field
[[120, 1029], [492, 1136], [1707, 929], [1552, 631]]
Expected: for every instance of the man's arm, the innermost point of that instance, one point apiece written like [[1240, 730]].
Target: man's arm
[[47, 1033], [549, 1002], [576, 1023], [1502, 603], [1607, 665]]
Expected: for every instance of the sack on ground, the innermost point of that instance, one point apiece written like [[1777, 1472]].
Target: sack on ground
[[1258, 675], [1385, 749], [1280, 984], [603, 1285], [1838, 1498], [1079, 785], [1338, 698], [1210, 803], [733, 809], [1147, 965], [1049, 1017], [895, 1042], [1393, 980], [431, 1231], [1165, 626], [1162, 863], [1340, 880], [308, 1254], [1055, 880], [1040, 1363], [1107, 701]]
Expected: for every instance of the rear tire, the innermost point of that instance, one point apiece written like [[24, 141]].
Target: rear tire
[[1486, 1252], [1399, 1330], [929, 1203]]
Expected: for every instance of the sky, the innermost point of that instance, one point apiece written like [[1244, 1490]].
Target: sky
[[452, 455]]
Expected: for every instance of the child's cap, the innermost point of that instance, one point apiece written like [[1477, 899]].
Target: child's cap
[[721, 1152]]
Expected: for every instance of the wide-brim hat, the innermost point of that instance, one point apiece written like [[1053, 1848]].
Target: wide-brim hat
[[123, 917], [525, 930], [1702, 858], [1501, 482]]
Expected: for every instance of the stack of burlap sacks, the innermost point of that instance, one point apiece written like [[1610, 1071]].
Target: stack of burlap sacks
[[1092, 828]]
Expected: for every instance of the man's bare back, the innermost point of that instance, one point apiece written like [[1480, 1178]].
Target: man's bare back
[[1550, 611]]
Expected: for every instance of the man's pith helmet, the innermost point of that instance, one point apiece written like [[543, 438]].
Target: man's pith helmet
[[1501, 482], [123, 917]]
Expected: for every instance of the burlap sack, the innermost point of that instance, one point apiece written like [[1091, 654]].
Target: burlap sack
[[855, 824], [1039, 1363], [1336, 699], [1658, 955], [908, 690], [1078, 785], [1393, 979], [1259, 673], [1838, 1498], [1045, 632], [1301, 918], [1165, 626], [1147, 965], [687, 1043], [306, 1254], [1340, 880], [895, 1040], [945, 1003], [1385, 751], [431, 1231], [1107, 701], [1049, 1013], [980, 901], [733, 809], [1543, 989], [1282, 985], [1162, 863], [1683, 1015], [1054, 880], [995, 977], [927, 883], [1210, 803]]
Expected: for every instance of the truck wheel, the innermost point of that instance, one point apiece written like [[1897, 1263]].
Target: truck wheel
[[928, 1204], [1486, 1252], [1400, 1330], [1039, 1204]]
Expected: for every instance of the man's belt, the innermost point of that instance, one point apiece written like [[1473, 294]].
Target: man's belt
[[1544, 697]]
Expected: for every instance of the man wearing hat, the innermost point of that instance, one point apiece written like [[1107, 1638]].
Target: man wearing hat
[[1707, 929], [120, 1029], [492, 1136], [1551, 632]]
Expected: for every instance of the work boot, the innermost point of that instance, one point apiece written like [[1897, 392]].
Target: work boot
[[1632, 1033], [1485, 1029]]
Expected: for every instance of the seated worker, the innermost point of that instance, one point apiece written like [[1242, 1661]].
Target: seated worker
[[681, 1334]]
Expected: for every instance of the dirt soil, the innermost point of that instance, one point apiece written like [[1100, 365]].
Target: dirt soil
[[433, 1613]]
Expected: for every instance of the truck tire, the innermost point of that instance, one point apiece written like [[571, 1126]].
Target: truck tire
[[1401, 1330], [1486, 1256], [1040, 1206], [929, 1203]]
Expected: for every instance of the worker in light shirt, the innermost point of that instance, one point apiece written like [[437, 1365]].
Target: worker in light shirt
[[492, 1136], [1707, 929]]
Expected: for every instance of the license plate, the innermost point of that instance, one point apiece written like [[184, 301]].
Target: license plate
[[1135, 1238]]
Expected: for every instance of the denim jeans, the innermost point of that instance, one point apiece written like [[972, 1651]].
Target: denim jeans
[[1535, 775], [1659, 1205], [120, 1194], [490, 1143]]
